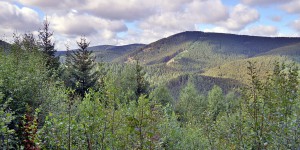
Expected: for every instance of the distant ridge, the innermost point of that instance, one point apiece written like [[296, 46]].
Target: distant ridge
[[165, 49], [108, 53], [3, 43]]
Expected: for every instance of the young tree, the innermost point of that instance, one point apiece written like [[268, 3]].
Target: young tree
[[142, 84], [67, 69], [45, 36], [191, 105], [162, 95], [215, 102], [83, 71]]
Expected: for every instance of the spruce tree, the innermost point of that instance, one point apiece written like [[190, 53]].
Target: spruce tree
[[83, 75], [47, 46]]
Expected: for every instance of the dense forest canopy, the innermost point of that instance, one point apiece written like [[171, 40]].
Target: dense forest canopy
[[189, 94]]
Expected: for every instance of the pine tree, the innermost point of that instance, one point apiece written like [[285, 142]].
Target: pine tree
[[82, 68], [45, 36]]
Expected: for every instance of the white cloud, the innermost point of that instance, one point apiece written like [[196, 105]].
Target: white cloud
[[206, 11], [296, 25], [155, 18], [217, 30], [111, 9], [264, 2], [74, 24], [148, 36], [240, 17], [116, 9], [292, 7], [185, 18], [54, 6], [167, 21], [261, 30], [15, 18]]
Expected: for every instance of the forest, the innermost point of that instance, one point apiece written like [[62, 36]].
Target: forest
[[83, 104]]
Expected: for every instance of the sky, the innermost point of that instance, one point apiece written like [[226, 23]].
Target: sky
[[120, 22]]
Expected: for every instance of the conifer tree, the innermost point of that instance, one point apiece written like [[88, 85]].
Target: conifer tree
[[47, 46], [67, 72], [142, 84], [83, 75]]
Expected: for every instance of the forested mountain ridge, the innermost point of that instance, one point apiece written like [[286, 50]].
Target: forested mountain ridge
[[107, 53], [219, 56], [164, 50], [222, 44]]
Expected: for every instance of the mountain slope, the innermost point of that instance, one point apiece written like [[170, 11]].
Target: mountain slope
[[202, 83], [237, 70], [193, 50], [291, 51]]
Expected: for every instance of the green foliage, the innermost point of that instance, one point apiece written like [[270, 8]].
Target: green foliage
[[23, 75], [7, 116], [215, 102], [81, 75], [238, 69], [190, 105], [25, 84], [142, 84], [133, 107], [47, 46], [162, 95]]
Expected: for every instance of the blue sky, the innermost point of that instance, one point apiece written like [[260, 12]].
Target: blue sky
[[120, 22]]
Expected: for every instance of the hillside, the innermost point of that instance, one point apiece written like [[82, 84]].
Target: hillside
[[291, 51], [237, 70], [202, 84], [193, 50]]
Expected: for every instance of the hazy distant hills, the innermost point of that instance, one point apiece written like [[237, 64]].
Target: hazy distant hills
[[107, 53], [4, 45]]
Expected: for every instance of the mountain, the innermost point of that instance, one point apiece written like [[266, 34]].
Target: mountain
[[113, 52], [199, 50], [211, 58], [4, 45], [107, 53]]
